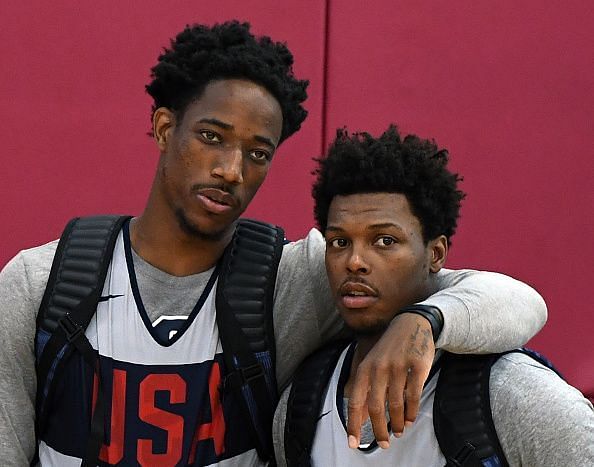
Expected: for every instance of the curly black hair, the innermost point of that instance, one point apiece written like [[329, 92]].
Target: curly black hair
[[201, 54], [360, 163]]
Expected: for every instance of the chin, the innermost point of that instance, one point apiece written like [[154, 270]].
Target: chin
[[367, 327], [193, 228]]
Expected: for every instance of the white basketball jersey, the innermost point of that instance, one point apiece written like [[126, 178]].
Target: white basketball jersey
[[417, 447], [162, 391]]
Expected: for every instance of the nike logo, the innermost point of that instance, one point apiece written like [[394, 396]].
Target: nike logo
[[108, 297], [323, 415]]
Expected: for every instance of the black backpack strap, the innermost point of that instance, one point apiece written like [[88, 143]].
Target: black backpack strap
[[244, 301], [462, 409], [70, 300], [462, 412], [305, 402]]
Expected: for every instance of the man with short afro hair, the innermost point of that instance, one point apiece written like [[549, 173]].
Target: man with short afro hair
[[388, 207]]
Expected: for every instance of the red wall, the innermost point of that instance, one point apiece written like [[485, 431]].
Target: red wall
[[507, 87]]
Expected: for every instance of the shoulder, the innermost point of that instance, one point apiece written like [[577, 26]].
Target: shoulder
[[306, 251], [539, 418], [301, 277], [22, 284], [29, 269], [530, 380]]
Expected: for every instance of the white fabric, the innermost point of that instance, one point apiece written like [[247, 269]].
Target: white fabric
[[417, 446], [118, 332]]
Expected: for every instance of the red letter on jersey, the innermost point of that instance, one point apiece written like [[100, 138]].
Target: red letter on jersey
[[172, 423], [114, 452], [216, 428]]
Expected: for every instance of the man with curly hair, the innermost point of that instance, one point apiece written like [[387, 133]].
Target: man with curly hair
[[388, 208], [224, 101]]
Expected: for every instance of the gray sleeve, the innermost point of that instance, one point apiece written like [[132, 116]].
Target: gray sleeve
[[483, 311], [304, 312], [22, 283], [539, 418], [486, 312], [278, 428]]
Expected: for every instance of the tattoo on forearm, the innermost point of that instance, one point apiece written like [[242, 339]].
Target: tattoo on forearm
[[419, 344]]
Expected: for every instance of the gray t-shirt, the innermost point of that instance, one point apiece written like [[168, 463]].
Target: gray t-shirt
[[540, 420], [483, 312]]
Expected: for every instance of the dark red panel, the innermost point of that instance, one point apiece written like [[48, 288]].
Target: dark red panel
[[508, 87], [75, 115]]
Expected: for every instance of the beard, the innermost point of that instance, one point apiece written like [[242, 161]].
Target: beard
[[369, 329], [194, 230]]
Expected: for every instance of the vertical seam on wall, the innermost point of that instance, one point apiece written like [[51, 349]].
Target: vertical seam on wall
[[325, 75]]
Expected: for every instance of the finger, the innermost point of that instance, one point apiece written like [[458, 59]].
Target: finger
[[376, 405], [412, 396], [396, 401], [357, 406], [417, 375]]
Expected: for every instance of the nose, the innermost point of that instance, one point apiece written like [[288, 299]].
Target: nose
[[356, 263], [229, 166]]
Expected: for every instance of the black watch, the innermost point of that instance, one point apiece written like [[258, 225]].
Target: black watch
[[430, 313]]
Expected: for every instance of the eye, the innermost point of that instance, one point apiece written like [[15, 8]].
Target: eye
[[385, 240], [210, 136], [260, 155], [337, 243]]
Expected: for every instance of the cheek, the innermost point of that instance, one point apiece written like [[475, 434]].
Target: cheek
[[253, 179], [332, 273]]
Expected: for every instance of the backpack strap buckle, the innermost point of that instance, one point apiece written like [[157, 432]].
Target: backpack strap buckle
[[72, 329], [459, 460], [251, 372], [243, 376]]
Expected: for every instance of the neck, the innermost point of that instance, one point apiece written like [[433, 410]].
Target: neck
[[157, 237]]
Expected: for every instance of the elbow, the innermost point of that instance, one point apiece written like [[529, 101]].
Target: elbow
[[535, 309]]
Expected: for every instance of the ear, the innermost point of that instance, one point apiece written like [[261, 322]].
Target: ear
[[163, 125], [438, 251]]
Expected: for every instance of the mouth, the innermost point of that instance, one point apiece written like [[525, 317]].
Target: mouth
[[215, 200], [357, 295]]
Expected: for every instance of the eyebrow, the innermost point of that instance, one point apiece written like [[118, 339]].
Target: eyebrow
[[383, 225], [217, 122], [228, 126], [265, 140]]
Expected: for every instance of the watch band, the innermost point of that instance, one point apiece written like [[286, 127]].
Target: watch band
[[430, 313]]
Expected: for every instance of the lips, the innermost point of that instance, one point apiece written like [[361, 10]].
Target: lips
[[215, 200], [355, 294]]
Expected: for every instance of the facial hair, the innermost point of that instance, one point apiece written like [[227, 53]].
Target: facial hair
[[194, 230], [370, 330]]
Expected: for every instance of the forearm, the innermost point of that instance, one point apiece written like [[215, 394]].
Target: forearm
[[486, 312]]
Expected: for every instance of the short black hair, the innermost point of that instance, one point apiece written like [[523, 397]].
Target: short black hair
[[201, 54], [417, 168]]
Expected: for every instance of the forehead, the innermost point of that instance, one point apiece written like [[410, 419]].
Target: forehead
[[363, 210], [237, 102]]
